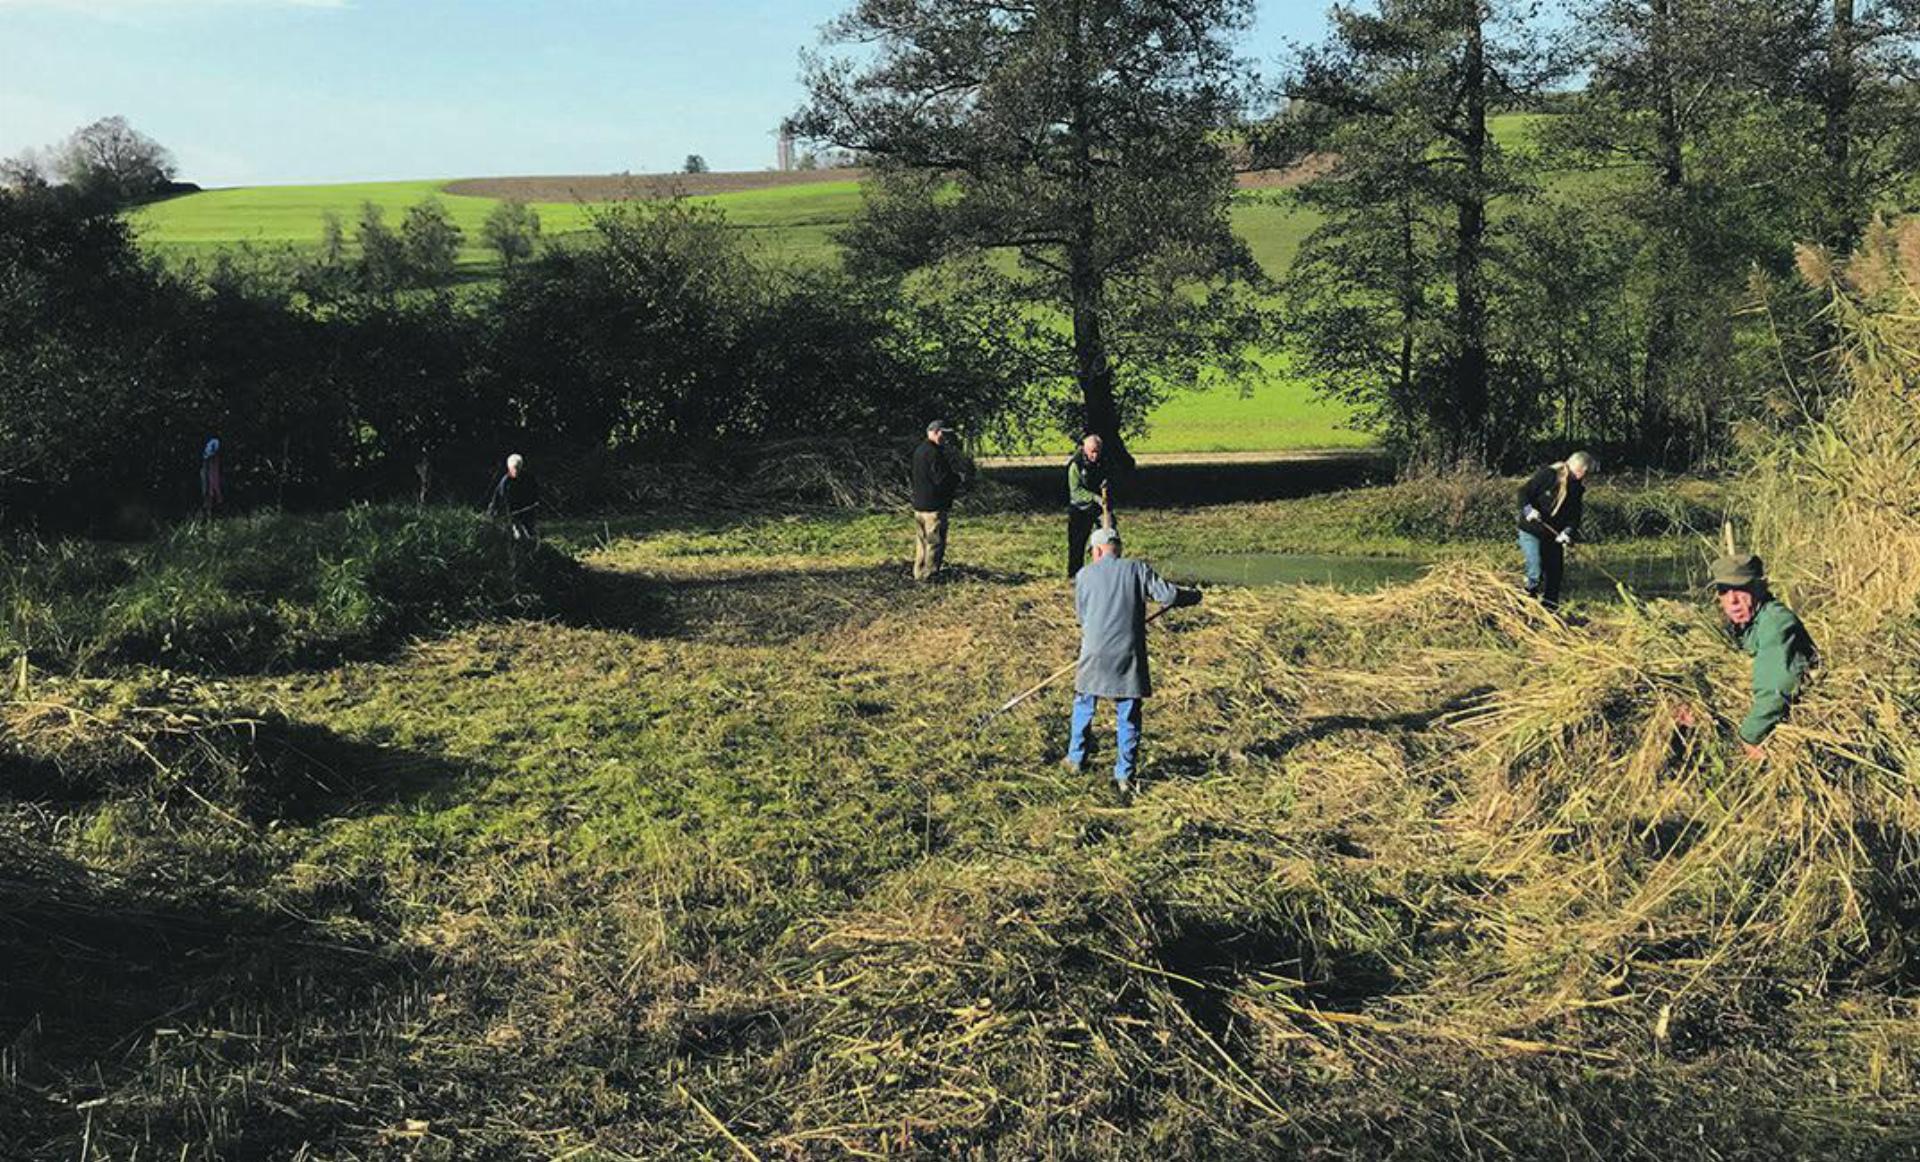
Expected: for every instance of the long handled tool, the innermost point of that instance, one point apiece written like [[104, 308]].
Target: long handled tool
[[1568, 544], [1049, 680]]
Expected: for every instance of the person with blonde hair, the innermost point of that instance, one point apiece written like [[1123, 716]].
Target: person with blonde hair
[[1550, 509]]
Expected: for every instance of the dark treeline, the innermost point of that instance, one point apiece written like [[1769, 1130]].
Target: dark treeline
[[1047, 246], [657, 337]]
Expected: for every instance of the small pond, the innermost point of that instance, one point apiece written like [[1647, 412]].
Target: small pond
[[1649, 576]]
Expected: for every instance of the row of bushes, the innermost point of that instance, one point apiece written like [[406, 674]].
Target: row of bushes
[[1472, 506], [270, 591], [656, 336]]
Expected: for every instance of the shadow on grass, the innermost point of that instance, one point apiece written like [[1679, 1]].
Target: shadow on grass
[[1195, 765], [263, 769], [117, 996], [763, 607]]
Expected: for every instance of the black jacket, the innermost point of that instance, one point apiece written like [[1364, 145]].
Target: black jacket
[[935, 479], [1539, 492], [516, 496]]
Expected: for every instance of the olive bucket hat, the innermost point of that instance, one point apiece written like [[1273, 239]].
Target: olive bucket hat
[[1737, 571]]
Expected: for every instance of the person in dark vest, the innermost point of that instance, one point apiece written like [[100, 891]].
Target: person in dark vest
[[1551, 502], [936, 479], [517, 497], [1110, 598], [1087, 478]]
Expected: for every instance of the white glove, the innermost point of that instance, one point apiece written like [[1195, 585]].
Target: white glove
[[1530, 513], [1565, 538]]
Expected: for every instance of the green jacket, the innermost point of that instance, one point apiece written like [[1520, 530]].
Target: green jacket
[[1782, 650], [1084, 482]]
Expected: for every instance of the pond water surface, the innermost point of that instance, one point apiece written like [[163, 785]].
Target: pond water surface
[[1665, 575]]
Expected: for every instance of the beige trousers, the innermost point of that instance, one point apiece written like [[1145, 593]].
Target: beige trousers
[[929, 543]]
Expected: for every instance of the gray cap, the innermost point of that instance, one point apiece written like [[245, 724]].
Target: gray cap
[[1104, 537], [938, 426]]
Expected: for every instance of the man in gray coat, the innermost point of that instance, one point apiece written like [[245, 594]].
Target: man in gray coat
[[1110, 596]]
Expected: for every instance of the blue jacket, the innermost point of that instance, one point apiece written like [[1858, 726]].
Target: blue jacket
[[1110, 597]]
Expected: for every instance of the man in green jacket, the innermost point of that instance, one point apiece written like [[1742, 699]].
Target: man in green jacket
[[1768, 631], [1086, 498]]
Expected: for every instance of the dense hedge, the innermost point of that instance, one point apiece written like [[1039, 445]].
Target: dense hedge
[[270, 591], [655, 336]]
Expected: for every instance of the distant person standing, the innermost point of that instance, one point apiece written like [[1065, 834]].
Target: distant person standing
[[1087, 478], [517, 497], [936, 479], [213, 489], [1110, 598], [1551, 504]]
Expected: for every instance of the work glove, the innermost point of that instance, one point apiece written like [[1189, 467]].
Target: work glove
[[1565, 538], [1530, 513]]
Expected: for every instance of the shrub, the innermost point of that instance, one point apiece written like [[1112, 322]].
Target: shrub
[[271, 591]]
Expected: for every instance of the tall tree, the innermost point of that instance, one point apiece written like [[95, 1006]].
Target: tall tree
[[512, 228], [1703, 123], [1087, 138], [1400, 98], [114, 162], [431, 241], [383, 256], [1864, 73]]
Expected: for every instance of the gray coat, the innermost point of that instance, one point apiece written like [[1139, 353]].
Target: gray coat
[[1110, 596]]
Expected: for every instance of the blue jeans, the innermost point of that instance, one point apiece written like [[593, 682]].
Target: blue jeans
[[1546, 560], [1126, 729]]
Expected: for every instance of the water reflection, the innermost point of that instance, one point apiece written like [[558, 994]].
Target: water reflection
[[1664, 575]]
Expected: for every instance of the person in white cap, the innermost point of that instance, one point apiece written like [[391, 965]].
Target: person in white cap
[[1110, 597], [517, 497], [213, 485]]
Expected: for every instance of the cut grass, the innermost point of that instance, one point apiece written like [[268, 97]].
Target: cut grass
[[717, 863]]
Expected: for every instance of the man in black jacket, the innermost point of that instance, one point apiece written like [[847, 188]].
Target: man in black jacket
[[935, 480], [517, 497], [1550, 507]]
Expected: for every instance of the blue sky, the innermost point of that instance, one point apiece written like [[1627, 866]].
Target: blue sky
[[282, 91]]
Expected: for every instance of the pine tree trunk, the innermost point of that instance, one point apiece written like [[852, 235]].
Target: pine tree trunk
[[1407, 413], [1663, 313], [1841, 86], [1470, 370], [1086, 282], [1090, 364]]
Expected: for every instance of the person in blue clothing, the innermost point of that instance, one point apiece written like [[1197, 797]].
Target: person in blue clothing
[[1110, 598], [1551, 502]]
